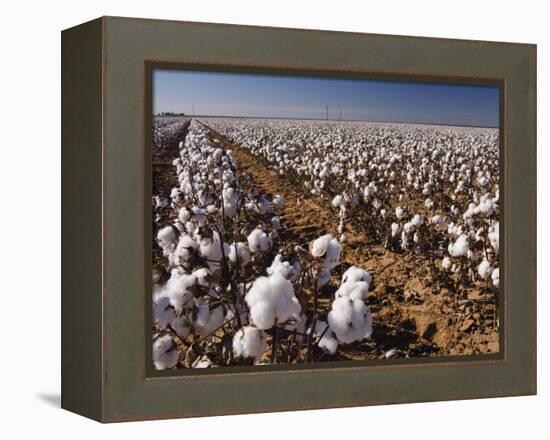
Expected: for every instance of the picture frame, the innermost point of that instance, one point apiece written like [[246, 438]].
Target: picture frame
[[106, 228]]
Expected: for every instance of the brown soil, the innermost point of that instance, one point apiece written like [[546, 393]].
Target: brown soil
[[412, 313]]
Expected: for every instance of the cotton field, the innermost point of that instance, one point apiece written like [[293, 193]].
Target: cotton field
[[294, 241]]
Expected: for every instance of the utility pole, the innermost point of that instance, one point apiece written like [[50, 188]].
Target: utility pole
[[193, 107], [326, 111], [340, 114]]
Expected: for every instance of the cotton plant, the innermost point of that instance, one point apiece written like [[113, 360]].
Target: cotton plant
[[417, 197]]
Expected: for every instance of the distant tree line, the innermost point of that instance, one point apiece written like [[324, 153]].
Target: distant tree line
[[170, 114]]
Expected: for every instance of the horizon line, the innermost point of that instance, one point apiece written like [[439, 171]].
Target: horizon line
[[440, 124]]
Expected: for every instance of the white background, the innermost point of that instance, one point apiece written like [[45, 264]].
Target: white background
[[30, 218]]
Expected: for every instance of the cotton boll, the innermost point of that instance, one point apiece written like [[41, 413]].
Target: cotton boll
[[184, 215], [323, 278], [350, 320], [202, 362], [278, 201], [239, 252], [258, 241], [408, 227], [327, 247], [207, 321], [203, 276], [179, 289], [399, 213], [460, 247], [166, 239], [211, 209], [493, 236], [249, 342], [185, 249], [275, 223], [284, 268], [446, 263], [353, 290], [395, 228], [338, 201], [210, 248], [484, 269], [495, 277], [485, 207], [354, 273], [327, 342], [163, 313], [230, 202], [262, 314], [198, 216], [417, 220], [182, 326], [271, 298], [165, 353], [319, 246]]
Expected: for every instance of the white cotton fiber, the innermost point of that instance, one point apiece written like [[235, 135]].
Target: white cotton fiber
[[203, 276], [338, 201], [353, 290], [206, 320], [284, 268], [202, 362], [185, 249], [278, 201], [184, 215], [239, 252], [249, 342], [494, 237], [484, 269], [163, 313], [350, 320], [395, 228], [399, 213], [272, 298], [258, 241], [460, 247], [323, 278], [495, 277], [165, 353], [275, 223], [166, 239], [329, 248], [179, 289], [182, 326], [320, 245], [417, 220], [328, 342], [210, 248], [446, 263], [354, 273]]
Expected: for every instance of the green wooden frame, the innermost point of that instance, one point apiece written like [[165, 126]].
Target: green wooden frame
[[106, 232]]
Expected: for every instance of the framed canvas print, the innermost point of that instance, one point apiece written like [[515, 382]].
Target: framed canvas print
[[303, 219]]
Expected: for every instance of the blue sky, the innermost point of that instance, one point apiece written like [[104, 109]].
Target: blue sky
[[235, 94]]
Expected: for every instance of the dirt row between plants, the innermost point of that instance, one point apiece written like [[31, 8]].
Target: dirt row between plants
[[410, 313]]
